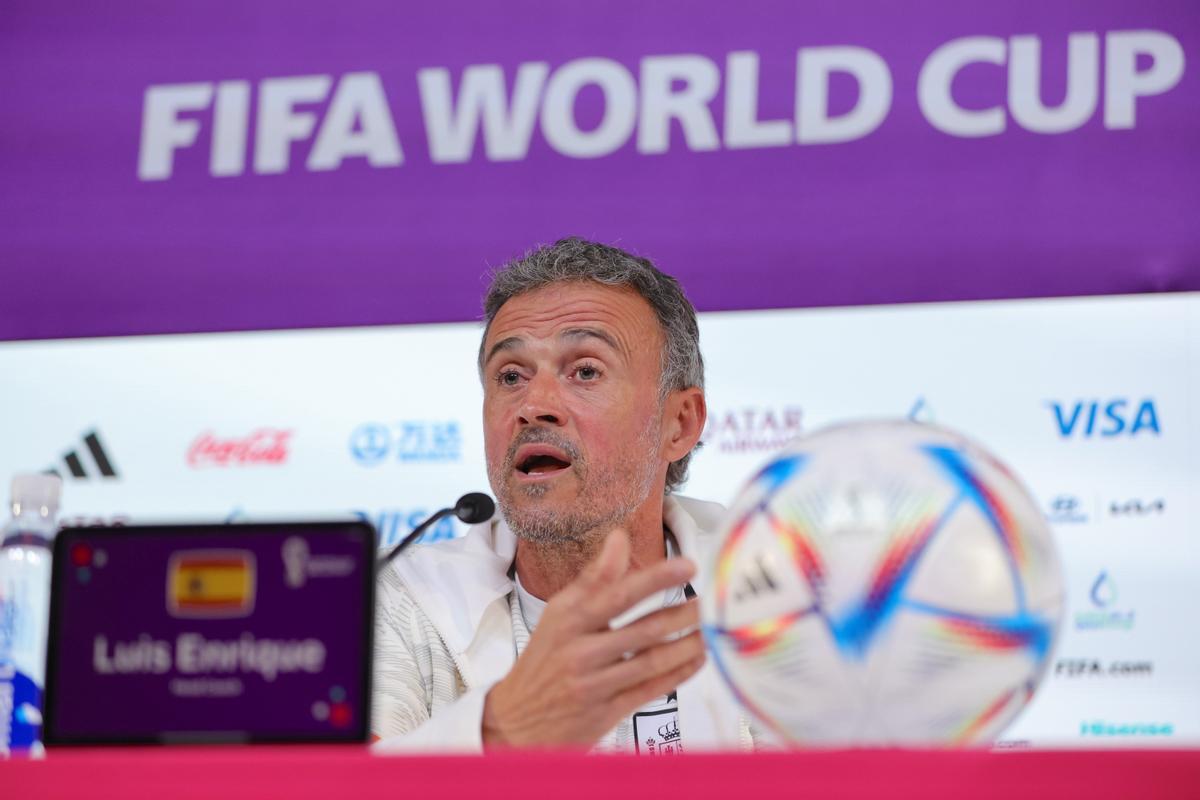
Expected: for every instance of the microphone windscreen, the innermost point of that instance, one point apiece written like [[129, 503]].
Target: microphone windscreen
[[474, 508]]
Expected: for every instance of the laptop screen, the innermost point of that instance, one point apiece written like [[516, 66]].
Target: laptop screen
[[221, 633]]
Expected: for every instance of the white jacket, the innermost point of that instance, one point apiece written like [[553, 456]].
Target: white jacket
[[444, 636]]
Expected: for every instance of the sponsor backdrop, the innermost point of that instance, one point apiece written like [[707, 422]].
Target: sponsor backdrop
[[230, 167], [1091, 400]]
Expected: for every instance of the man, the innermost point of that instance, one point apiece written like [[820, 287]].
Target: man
[[567, 622]]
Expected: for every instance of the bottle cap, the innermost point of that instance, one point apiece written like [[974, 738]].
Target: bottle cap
[[37, 492]]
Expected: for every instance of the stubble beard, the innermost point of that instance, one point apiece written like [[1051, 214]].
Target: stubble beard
[[608, 497]]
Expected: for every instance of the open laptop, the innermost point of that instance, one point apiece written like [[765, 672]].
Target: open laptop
[[210, 634]]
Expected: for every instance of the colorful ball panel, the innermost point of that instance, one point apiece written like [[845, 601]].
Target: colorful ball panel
[[884, 583]]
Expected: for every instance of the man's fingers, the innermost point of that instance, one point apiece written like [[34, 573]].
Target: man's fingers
[[610, 564], [605, 588], [661, 659], [605, 648], [638, 695], [652, 629], [599, 607]]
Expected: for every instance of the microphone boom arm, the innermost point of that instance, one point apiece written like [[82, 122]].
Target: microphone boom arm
[[471, 508]]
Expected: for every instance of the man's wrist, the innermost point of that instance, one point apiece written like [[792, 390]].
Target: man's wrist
[[490, 730]]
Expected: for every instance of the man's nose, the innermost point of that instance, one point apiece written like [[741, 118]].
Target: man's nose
[[542, 403]]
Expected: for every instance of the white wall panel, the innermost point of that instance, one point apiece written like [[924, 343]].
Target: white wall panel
[[992, 370]]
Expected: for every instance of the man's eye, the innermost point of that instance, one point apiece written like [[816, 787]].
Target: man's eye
[[587, 373], [509, 378]]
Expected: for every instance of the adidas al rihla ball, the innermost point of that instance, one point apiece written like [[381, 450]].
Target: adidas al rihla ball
[[884, 583]]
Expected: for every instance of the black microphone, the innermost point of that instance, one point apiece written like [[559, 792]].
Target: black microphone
[[471, 508]]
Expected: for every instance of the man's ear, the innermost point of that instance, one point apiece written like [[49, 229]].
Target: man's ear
[[683, 422]]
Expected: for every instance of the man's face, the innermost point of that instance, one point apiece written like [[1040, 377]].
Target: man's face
[[571, 413]]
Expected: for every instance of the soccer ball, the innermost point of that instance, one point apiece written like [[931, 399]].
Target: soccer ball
[[884, 583]]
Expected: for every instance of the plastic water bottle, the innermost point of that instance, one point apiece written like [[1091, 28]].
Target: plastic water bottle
[[25, 610]]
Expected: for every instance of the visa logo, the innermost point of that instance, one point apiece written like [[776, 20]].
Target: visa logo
[[392, 525], [1087, 418]]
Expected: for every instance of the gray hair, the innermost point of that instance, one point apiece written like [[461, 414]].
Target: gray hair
[[573, 259]]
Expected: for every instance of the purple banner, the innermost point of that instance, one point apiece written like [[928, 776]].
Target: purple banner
[[230, 166]]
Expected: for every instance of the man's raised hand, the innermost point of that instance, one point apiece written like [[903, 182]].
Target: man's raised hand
[[577, 677]]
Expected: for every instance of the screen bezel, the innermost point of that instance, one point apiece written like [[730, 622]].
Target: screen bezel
[[358, 734]]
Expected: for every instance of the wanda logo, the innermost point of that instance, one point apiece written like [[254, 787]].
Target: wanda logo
[[262, 446]]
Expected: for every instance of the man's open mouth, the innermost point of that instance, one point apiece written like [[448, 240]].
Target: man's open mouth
[[536, 460]]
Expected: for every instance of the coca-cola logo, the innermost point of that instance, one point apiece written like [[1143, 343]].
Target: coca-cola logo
[[263, 446]]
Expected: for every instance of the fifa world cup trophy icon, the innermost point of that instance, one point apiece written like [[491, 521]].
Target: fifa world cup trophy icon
[[295, 561]]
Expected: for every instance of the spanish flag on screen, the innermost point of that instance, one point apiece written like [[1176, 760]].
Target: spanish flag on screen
[[211, 583]]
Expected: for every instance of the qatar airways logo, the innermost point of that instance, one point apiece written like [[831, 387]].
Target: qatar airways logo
[[263, 446], [753, 429], [326, 120]]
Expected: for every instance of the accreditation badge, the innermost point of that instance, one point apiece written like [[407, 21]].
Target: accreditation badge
[[656, 733]]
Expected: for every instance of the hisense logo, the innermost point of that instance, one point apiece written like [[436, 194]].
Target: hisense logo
[[1102, 728], [88, 461]]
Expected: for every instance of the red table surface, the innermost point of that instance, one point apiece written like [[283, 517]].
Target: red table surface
[[230, 772]]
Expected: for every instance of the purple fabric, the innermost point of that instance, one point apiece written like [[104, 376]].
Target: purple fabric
[[906, 213]]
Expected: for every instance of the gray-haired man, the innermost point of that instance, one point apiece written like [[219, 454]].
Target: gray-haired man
[[567, 622]]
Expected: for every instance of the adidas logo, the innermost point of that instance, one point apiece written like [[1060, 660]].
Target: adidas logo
[[753, 584], [101, 465]]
